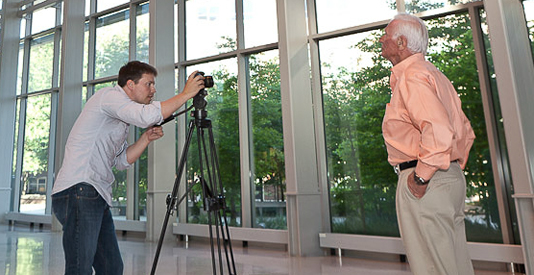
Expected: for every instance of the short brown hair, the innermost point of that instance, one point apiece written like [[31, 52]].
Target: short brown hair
[[134, 70]]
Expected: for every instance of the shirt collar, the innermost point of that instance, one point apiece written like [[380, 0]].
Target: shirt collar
[[401, 66]]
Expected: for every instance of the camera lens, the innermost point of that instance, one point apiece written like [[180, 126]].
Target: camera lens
[[208, 81]]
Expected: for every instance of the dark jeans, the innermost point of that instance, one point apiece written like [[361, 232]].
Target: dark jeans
[[89, 239]]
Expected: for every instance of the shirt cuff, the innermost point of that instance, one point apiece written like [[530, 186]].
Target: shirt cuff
[[121, 162], [425, 171]]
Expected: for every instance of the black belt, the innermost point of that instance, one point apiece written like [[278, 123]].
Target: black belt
[[408, 164], [405, 165]]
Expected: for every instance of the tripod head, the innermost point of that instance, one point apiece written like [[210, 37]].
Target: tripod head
[[199, 103]]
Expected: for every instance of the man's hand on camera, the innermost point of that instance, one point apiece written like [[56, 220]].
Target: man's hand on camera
[[194, 84]]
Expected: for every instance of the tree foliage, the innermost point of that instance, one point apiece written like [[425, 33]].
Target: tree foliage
[[362, 184]]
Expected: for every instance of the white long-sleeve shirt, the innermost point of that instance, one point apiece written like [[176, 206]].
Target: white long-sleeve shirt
[[97, 141]]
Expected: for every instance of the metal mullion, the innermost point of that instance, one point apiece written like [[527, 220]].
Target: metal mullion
[[132, 185], [110, 10], [54, 102], [54, 98], [36, 93], [317, 99], [401, 6], [25, 66], [55, 62], [246, 139], [33, 7], [227, 55], [91, 51], [133, 32], [20, 154], [491, 127], [42, 33], [181, 125]]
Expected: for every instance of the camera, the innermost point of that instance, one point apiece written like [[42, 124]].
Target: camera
[[208, 79], [198, 101]]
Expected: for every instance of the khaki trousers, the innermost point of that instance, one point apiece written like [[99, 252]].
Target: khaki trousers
[[432, 228]]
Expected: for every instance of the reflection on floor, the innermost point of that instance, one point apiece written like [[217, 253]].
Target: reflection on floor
[[25, 250]]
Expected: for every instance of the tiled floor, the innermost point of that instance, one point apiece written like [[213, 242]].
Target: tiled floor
[[27, 251]]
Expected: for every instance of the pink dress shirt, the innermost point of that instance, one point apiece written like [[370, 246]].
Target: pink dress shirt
[[424, 120]]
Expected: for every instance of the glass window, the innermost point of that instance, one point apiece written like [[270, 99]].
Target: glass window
[[451, 49], [222, 110], [419, 5], [43, 19], [497, 117], [41, 63], [86, 51], [362, 183], [210, 28], [112, 36], [118, 207], [528, 5], [355, 90], [107, 4], [15, 143], [140, 181], [35, 155], [338, 14], [23, 27], [19, 68], [143, 21], [269, 201], [260, 22]]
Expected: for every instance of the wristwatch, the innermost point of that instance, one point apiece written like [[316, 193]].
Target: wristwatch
[[419, 180]]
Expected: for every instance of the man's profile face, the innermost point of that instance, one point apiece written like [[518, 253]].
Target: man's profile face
[[144, 89], [390, 49]]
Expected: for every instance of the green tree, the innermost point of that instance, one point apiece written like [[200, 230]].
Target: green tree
[[362, 188]]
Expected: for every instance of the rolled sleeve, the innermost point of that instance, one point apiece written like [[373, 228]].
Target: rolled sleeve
[[118, 105], [121, 159]]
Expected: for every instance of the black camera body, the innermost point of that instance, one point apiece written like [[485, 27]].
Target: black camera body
[[198, 101], [208, 79]]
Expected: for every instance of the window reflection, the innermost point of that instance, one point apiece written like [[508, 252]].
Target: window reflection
[[210, 28], [433, 4], [35, 155], [269, 184], [142, 33], [112, 36], [528, 6], [452, 51], [102, 5], [41, 63], [355, 91], [43, 19], [222, 108], [260, 22], [339, 14]]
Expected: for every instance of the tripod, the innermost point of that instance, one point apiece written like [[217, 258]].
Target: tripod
[[214, 201]]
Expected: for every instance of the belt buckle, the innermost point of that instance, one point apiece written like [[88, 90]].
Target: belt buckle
[[396, 168]]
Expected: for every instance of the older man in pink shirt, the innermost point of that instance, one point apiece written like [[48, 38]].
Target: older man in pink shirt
[[428, 138]]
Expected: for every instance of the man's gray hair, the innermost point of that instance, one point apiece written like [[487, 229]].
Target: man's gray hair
[[415, 31]]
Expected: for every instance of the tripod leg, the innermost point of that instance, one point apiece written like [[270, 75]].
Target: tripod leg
[[212, 194], [223, 223], [206, 192], [171, 200]]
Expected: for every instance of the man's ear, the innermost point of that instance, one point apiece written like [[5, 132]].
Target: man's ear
[[402, 43], [130, 84]]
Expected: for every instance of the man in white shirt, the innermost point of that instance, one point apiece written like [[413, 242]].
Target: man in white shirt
[[81, 196]]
